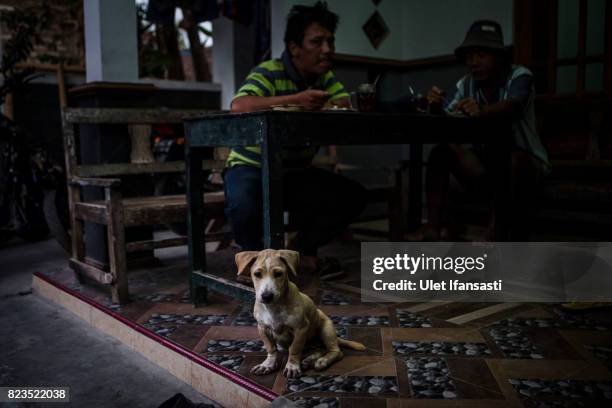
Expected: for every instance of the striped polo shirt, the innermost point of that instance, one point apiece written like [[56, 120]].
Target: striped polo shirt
[[279, 77]]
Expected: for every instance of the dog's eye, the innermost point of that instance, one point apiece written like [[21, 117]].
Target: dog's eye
[[257, 274], [278, 274]]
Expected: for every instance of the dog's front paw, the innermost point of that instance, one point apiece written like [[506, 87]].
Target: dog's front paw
[[268, 365], [292, 370]]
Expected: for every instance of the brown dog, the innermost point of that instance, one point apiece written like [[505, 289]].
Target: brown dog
[[286, 317]]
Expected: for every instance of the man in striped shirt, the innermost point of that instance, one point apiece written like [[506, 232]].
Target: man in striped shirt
[[326, 202]]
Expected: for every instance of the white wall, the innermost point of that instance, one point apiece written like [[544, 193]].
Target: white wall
[[419, 28], [223, 59], [436, 27], [350, 38]]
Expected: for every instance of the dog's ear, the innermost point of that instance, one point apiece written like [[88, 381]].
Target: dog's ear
[[244, 260], [292, 258]]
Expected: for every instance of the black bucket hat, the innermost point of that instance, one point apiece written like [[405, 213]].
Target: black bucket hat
[[484, 34]]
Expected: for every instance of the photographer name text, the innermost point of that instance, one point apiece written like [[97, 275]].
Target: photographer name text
[[412, 265], [431, 285]]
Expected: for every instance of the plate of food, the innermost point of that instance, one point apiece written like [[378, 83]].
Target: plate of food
[[336, 108], [287, 108]]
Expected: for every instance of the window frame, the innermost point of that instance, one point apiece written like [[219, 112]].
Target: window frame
[[524, 35]]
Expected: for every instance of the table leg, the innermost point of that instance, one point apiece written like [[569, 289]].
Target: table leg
[[272, 185], [195, 221], [415, 187]]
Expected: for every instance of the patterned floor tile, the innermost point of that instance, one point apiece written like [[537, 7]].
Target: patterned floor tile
[[603, 353], [329, 298], [374, 385], [360, 320], [189, 335], [574, 389], [430, 378], [245, 317], [515, 343], [561, 320], [155, 297], [243, 346], [441, 348], [163, 330], [408, 319], [215, 320], [231, 362], [316, 402]]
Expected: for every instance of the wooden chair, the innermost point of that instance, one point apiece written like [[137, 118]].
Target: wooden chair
[[115, 211]]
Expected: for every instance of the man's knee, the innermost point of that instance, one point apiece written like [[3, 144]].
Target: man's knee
[[242, 196], [240, 209]]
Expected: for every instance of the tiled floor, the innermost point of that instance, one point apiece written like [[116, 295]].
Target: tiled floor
[[475, 354]]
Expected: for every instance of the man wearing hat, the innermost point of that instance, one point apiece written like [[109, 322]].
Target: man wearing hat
[[492, 87]]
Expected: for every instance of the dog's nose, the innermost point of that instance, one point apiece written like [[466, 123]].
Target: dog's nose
[[267, 297]]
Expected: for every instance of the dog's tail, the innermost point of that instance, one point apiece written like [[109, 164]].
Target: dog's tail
[[353, 345]]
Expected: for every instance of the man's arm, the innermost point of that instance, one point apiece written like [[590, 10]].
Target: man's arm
[[310, 99], [338, 96], [340, 102], [520, 90], [507, 109]]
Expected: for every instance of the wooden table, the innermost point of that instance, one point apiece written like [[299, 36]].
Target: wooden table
[[273, 130]]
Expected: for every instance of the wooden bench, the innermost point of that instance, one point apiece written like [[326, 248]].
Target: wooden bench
[[115, 211]]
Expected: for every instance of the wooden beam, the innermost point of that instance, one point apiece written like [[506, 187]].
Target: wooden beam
[[130, 116], [523, 32], [89, 212], [117, 169], [171, 242], [95, 182], [227, 287], [91, 272], [115, 237], [151, 245], [72, 69]]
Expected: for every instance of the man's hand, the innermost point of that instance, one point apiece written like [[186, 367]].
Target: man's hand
[[311, 99], [469, 107], [435, 96]]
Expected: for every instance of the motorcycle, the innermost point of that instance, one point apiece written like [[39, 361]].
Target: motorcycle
[[22, 184], [33, 196]]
